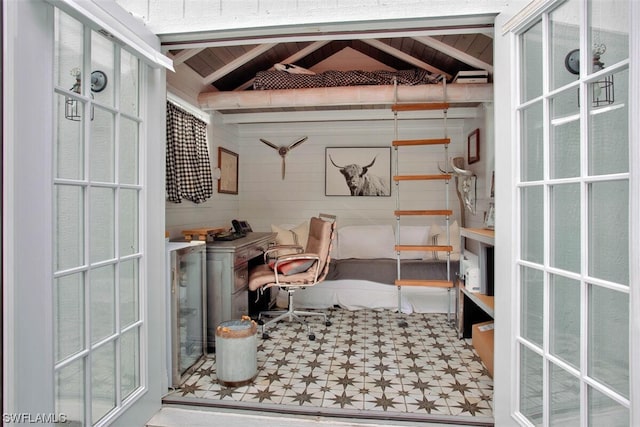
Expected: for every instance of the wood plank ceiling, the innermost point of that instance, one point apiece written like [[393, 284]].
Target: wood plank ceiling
[[231, 67]]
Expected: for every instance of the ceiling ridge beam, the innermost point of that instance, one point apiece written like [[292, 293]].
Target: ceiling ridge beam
[[238, 62], [293, 58], [454, 53], [405, 57]]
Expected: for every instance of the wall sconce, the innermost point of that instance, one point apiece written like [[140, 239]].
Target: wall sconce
[[98, 83], [601, 90]]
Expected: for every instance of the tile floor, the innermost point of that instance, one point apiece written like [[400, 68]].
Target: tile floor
[[363, 362]]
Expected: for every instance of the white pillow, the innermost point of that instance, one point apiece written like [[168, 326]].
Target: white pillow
[[366, 241], [439, 237], [293, 69], [414, 235], [286, 235]]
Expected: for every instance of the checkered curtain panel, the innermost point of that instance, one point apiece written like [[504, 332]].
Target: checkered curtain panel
[[188, 167]]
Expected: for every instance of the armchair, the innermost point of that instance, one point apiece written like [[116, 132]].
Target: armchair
[[298, 270]]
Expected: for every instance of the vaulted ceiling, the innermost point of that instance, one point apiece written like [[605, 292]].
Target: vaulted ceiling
[[230, 65]]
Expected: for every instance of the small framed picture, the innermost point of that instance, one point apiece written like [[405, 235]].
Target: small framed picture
[[490, 217], [473, 146], [228, 164]]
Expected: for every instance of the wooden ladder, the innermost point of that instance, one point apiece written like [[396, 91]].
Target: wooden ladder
[[399, 213]]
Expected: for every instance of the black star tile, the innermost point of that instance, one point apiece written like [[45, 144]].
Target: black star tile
[[411, 355], [309, 379], [343, 400], [381, 367], [348, 352], [462, 388], [281, 362], [422, 385], [302, 398], [382, 383], [347, 365], [450, 370], [190, 388], [384, 402], [445, 357], [469, 407], [225, 392], [313, 364], [428, 405], [274, 376], [264, 394], [380, 354]]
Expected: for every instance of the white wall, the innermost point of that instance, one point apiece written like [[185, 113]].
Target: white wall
[[266, 199]]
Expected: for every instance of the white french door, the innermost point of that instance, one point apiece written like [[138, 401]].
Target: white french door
[[573, 215], [97, 216], [82, 320]]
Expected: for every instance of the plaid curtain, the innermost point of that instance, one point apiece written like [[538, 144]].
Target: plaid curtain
[[188, 167]]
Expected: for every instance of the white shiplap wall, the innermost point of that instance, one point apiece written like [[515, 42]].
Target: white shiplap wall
[[266, 199]]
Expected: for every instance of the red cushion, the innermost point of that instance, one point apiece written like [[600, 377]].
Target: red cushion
[[292, 267]]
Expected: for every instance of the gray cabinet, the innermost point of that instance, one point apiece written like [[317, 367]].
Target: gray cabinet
[[227, 278]]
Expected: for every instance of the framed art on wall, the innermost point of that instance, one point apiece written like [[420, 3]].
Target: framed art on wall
[[358, 171], [473, 146], [228, 165]]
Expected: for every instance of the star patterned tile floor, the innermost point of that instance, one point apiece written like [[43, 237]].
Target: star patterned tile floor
[[363, 362]]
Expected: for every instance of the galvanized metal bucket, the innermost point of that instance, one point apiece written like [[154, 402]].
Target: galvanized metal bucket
[[236, 352]]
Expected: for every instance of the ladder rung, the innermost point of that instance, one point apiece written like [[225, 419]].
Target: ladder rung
[[406, 142], [443, 176], [435, 248], [431, 283], [420, 106], [424, 212]]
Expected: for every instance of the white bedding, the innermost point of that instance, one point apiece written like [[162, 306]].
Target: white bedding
[[363, 294]]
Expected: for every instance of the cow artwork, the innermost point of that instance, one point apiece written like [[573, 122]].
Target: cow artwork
[[361, 181]]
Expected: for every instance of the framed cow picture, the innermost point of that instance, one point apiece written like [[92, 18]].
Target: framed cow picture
[[358, 171]]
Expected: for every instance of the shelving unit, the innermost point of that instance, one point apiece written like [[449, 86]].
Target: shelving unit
[[475, 307], [439, 179]]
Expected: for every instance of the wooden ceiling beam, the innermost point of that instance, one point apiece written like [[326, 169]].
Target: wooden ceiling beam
[[454, 53], [290, 60], [406, 57], [238, 62], [185, 54]]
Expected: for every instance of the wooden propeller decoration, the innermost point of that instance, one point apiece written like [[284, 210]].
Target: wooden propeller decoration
[[283, 150]]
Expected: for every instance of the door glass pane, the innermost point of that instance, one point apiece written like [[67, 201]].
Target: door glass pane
[[129, 65], [68, 227], [565, 227], [604, 411], [608, 338], [69, 152], [565, 37], [128, 222], [102, 60], [532, 224], [609, 132], [130, 362], [609, 231], [102, 224], [531, 385], [564, 340], [128, 152], [68, 49], [532, 144], [70, 392], [564, 402], [103, 307], [69, 315], [609, 29], [102, 146], [129, 293], [531, 303], [103, 381], [531, 62], [565, 136]]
